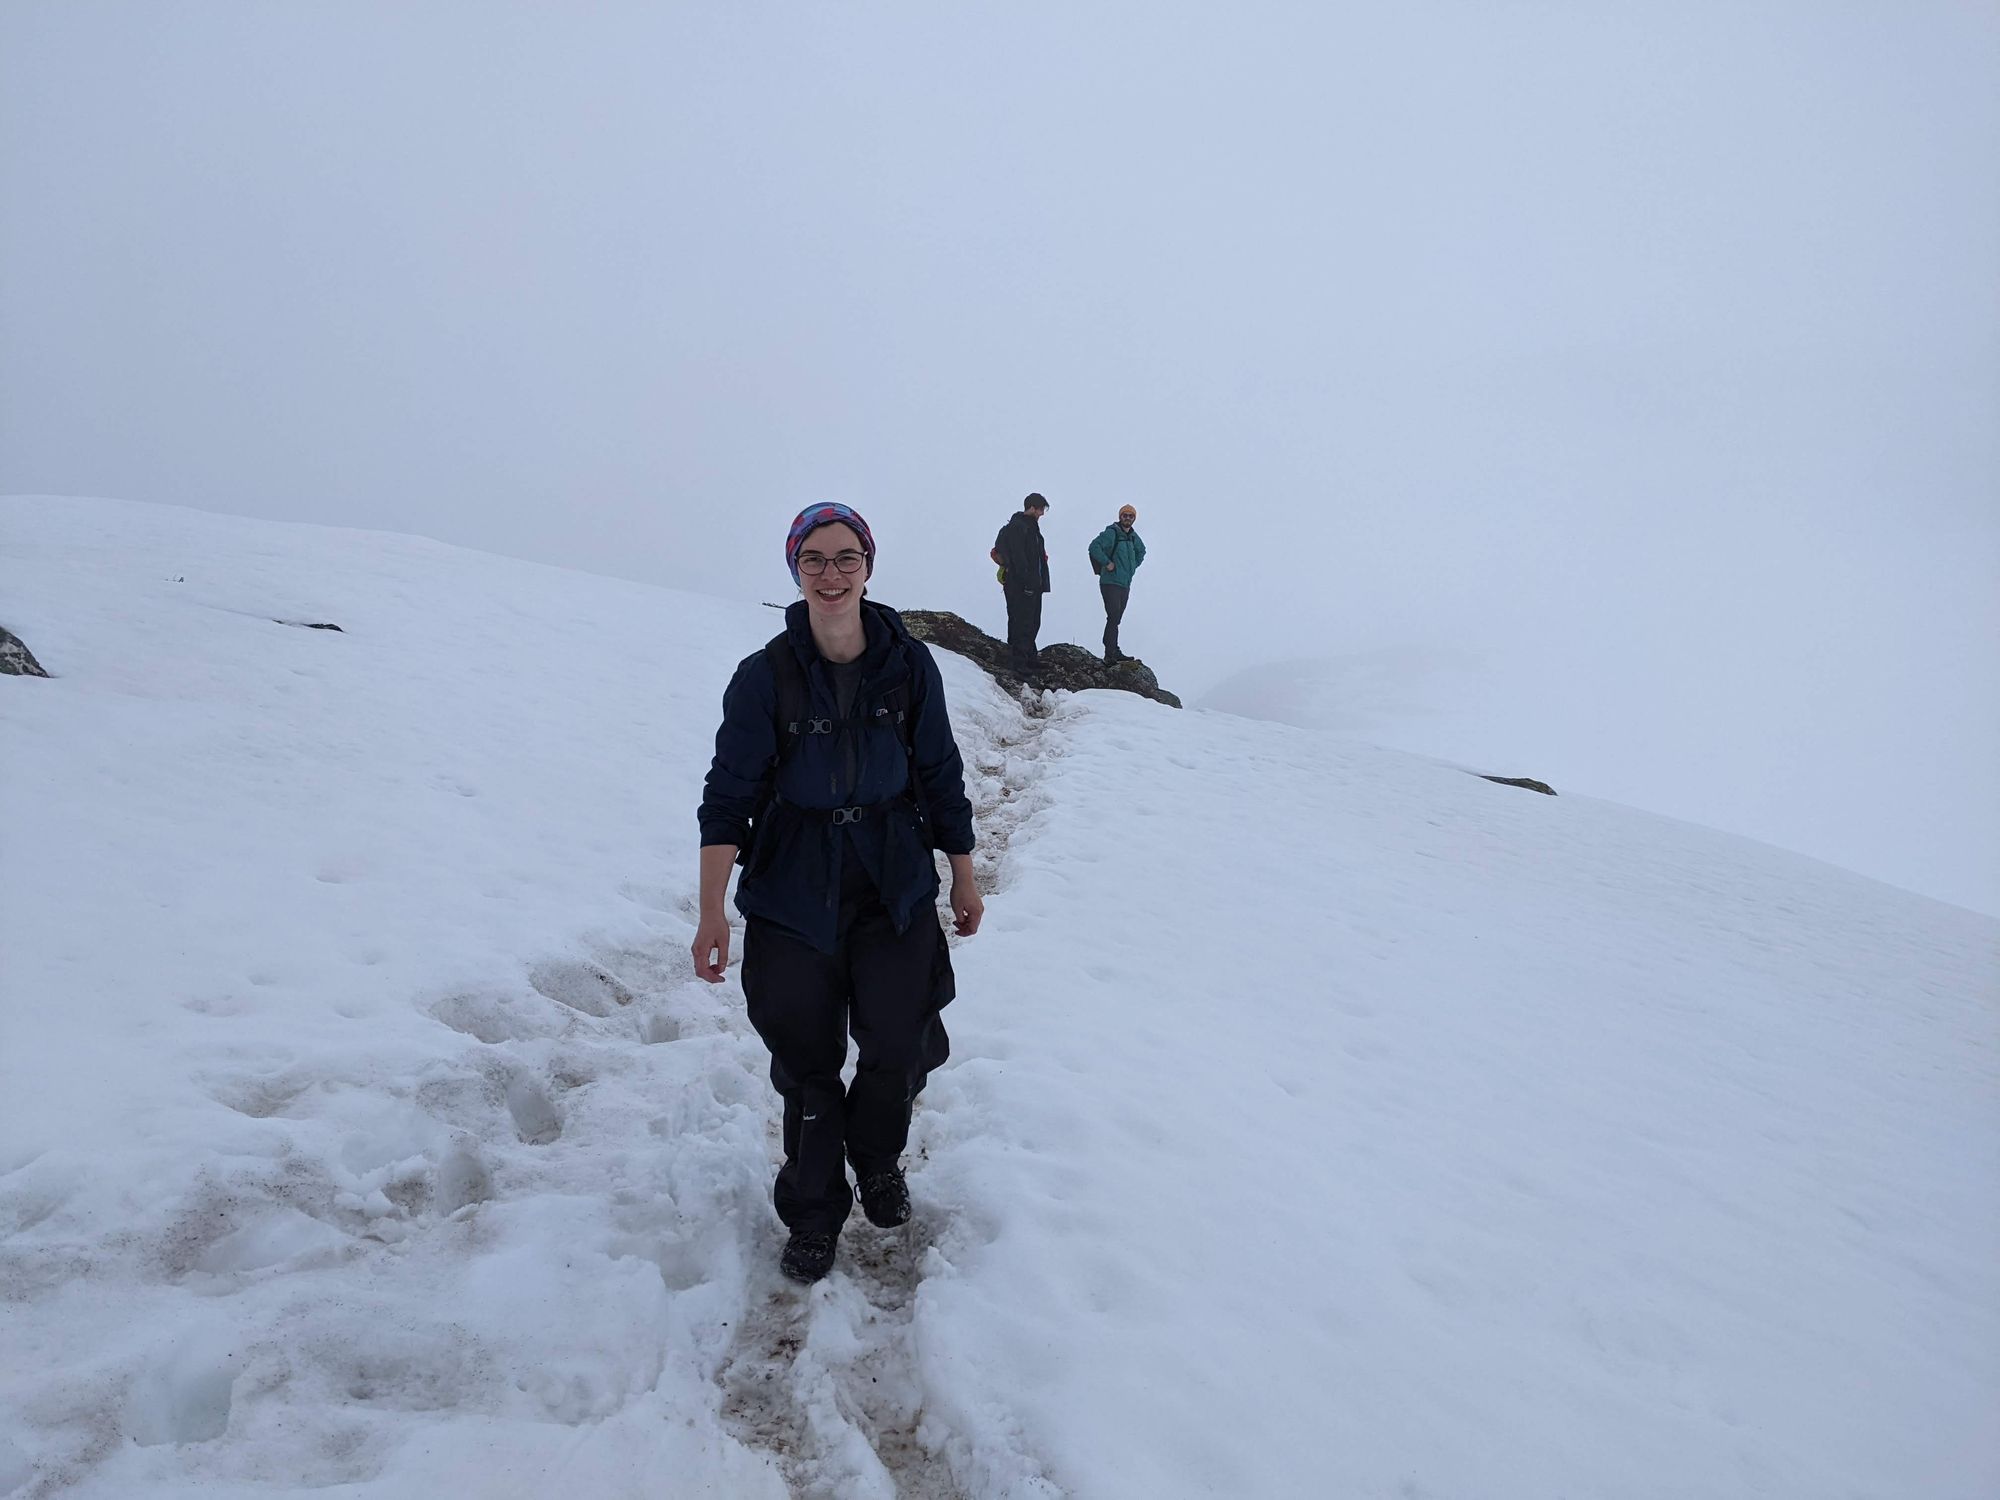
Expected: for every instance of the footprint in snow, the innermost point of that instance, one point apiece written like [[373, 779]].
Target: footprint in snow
[[496, 1018], [807, 1399], [535, 1119], [581, 986]]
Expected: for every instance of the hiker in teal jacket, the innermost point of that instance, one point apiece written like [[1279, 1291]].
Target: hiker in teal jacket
[[1115, 556]]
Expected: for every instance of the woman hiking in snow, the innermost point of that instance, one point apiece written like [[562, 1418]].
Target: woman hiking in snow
[[835, 776]]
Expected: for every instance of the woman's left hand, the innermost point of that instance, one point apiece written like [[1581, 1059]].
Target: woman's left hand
[[967, 905]]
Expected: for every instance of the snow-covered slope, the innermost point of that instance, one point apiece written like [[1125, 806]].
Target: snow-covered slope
[[1323, 1121]]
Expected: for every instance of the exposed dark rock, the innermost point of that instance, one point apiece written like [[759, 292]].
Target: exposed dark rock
[[16, 660], [1062, 666], [307, 625], [1525, 781]]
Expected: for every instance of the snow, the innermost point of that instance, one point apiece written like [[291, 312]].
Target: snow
[[1322, 1119]]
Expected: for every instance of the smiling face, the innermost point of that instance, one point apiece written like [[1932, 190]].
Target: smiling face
[[833, 596]]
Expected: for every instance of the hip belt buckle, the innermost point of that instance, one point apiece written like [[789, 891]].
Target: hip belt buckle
[[846, 815]]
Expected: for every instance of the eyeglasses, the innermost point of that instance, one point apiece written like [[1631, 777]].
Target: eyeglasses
[[814, 563]]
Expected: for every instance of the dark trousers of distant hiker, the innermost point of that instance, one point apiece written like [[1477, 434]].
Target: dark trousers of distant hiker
[[1024, 623], [1116, 597], [884, 986]]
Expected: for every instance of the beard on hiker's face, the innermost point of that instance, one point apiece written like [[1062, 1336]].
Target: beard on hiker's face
[[834, 595]]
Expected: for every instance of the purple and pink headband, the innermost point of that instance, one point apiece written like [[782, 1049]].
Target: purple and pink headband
[[815, 516]]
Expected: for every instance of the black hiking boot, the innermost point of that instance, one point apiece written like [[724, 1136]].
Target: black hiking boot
[[885, 1198], [808, 1255]]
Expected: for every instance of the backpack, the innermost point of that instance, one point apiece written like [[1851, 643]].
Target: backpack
[[794, 695]]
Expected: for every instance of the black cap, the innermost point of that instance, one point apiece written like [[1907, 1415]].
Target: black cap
[[1033, 501]]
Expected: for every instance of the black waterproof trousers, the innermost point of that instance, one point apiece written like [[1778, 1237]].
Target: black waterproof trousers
[[1116, 597], [884, 987], [1024, 623]]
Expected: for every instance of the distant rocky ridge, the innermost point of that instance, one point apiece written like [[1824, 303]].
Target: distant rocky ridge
[[1062, 666]]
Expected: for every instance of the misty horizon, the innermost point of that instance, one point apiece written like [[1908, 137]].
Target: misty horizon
[[1605, 398]]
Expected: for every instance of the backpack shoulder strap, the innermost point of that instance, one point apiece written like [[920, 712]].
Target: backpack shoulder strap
[[915, 688], [794, 699]]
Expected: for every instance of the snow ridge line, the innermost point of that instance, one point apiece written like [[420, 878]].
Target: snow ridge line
[[828, 1379]]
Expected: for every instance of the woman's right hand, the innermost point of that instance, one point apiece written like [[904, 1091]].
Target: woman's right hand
[[711, 947]]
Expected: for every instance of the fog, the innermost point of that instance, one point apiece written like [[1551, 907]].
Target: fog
[[1609, 394]]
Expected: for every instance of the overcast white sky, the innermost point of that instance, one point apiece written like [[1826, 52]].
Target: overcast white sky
[[1604, 392]]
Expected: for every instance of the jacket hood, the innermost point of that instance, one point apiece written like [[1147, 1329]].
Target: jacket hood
[[882, 626]]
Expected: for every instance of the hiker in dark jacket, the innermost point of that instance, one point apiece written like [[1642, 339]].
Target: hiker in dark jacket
[[1115, 556], [835, 775], [1024, 575]]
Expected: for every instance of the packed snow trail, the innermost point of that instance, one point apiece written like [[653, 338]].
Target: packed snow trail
[[1321, 1120]]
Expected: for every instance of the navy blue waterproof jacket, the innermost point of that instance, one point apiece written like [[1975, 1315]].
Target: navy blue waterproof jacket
[[1020, 550], [793, 872]]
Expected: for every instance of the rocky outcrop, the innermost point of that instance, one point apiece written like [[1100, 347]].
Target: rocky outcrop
[[1522, 781], [16, 660], [1062, 666]]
